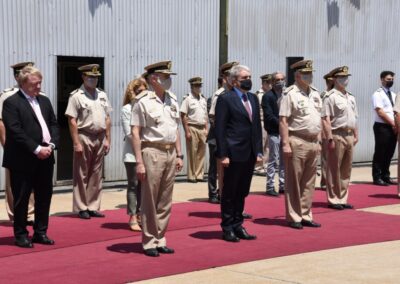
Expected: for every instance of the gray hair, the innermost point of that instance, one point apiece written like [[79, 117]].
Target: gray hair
[[277, 73], [235, 70]]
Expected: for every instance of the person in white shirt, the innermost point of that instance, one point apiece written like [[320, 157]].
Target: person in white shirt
[[385, 130], [134, 88]]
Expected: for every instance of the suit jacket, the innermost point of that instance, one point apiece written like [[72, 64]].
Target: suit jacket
[[24, 134], [270, 108], [238, 137]]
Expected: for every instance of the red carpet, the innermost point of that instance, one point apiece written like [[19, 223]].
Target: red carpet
[[104, 251]]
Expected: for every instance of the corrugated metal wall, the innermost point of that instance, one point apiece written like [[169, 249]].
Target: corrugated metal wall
[[129, 34], [360, 34]]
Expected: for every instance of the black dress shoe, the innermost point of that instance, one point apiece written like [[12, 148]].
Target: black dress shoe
[[165, 250], [84, 215], [241, 233], [192, 180], [96, 214], [230, 236], [246, 216], [389, 181], [42, 239], [30, 223], [214, 200], [23, 243], [151, 252], [347, 206], [336, 206], [380, 182], [272, 193], [311, 224], [296, 225], [281, 191]]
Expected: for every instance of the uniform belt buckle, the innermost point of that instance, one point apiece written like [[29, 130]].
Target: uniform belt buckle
[[167, 147]]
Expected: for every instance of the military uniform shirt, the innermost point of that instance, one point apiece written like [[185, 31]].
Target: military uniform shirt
[[214, 100], [90, 113], [303, 111], [195, 109], [260, 93], [341, 108], [5, 95], [159, 120], [396, 107]]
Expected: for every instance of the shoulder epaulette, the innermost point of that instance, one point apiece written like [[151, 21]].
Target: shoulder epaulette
[[185, 96], [313, 88], [172, 95], [288, 89], [328, 93], [350, 93], [75, 91], [219, 91], [100, 89], [9, 90], [142, 95]]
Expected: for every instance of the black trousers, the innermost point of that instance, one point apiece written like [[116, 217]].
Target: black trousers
[[385, 145], [212, 171], [237, 180], [39, 180]]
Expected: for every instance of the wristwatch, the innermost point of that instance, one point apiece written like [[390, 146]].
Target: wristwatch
[[180, 156]]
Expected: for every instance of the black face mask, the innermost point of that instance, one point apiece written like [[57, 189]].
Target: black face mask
[[389, 84], [246, 84]]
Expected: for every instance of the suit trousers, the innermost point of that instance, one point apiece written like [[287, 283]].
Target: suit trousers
[[133, 192], [339, 167], [196, 152], [237, 180], [88, 173], [39, 181], [157, 189], [300, 174], [8, 196], [212, 171], [385, 145]]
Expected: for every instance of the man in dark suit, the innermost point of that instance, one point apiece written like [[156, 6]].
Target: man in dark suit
[[239, 146], [32, 135]]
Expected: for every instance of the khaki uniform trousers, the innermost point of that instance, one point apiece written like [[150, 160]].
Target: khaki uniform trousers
[[338, 171], [156, 192], [300, 174], [196, 152], [10, 201], [88, 173]]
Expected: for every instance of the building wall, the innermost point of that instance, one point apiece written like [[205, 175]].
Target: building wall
[[129, 34], [359, 34]]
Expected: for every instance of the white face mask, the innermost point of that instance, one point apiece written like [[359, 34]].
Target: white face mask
[[165, 83], [342, 81], [306, 78], [91, 82]]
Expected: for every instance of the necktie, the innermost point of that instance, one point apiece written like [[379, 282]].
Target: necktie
[[45, 131], [247, 105], [390, 97]]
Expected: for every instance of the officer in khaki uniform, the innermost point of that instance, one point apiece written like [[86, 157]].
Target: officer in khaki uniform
[[339, 114], [224, 72], [195, 124], [329, 85], [8, 193], [88, 114], [300, 130], [266, 86], [156, 142]]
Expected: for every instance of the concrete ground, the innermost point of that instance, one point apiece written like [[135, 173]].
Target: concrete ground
[[373, 263]]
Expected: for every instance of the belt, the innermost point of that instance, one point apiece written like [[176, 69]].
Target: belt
[[197, 125], [87, 133], [158, 145], [312, 139], [343, 131]]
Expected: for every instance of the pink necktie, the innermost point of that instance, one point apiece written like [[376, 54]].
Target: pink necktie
[[247, 106], [43, 125]]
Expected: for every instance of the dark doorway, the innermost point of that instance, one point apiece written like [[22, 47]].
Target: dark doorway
[[69, 79], [289, 72]]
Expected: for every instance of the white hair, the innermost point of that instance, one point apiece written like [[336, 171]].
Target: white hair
[[235, 70]]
